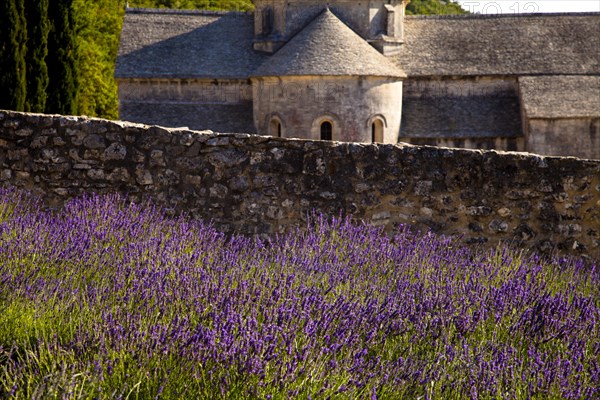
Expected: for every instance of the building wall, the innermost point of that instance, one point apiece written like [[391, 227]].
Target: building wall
[[472, 113], [350, 103], [578, 137], [256, 184], [203, 91], [223, 105]]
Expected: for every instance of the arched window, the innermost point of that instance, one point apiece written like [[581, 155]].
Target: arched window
[[377, 131], [275, 127], [326, 130]]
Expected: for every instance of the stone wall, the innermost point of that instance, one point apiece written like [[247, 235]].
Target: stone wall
[[350, 103], [255, 184], [578, 137], [221, 105]]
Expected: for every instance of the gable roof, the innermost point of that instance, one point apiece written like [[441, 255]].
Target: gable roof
[[560, 96], [526, 44], [218, 45], [328, 47], [186, 44], [216, 117]]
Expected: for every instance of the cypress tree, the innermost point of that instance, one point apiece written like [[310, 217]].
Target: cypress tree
[[61, 59], [13, 38], [36, 13]]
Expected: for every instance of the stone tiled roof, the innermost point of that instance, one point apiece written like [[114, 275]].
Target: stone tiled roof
[[328, 47], [561, 96], [197, 44], [186, 44], [216, 117], [550, 44], [461, 117]]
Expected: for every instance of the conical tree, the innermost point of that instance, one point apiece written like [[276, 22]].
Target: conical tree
[[13, 38], [36, 13], [61, 59]]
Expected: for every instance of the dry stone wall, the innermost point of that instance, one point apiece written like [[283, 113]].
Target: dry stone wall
[[255, 184]]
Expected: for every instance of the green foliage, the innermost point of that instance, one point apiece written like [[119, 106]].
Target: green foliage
[[434, 7], [98, 27], [229, 5], [61, 60], [36, 13], [13, 38]]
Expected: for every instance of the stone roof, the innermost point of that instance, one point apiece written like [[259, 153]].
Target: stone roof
[[560, 96], [222, 118], [461, 117], [526, 44], [205, 44], [328, 47], [186, 44]]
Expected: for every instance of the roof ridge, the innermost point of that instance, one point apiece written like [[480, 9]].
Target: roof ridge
[[173, 11], [498, 16]]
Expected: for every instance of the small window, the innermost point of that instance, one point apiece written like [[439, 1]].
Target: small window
[[275, 128], [377, 131], [267, 21], [326, 130]]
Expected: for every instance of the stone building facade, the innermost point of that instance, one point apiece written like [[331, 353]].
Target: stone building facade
[[362, 71], [315, 87]]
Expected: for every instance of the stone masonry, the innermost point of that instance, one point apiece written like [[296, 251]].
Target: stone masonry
[[360, 71], [261, 185]]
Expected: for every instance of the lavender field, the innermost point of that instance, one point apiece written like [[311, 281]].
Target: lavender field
[[105, 299]]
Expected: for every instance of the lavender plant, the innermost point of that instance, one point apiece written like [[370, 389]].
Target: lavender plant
[[106, 299]]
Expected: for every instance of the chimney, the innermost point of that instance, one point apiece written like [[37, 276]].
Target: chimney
[[391, 37]]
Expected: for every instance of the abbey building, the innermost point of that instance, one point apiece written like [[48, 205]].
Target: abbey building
[[363, 71]]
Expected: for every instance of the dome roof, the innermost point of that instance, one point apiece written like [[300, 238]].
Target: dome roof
[[328, 47]]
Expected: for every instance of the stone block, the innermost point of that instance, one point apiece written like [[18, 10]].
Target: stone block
[[143, 176], [116, 151], [94, 142]]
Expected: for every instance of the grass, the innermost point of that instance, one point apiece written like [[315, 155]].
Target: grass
[[107, 299]]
